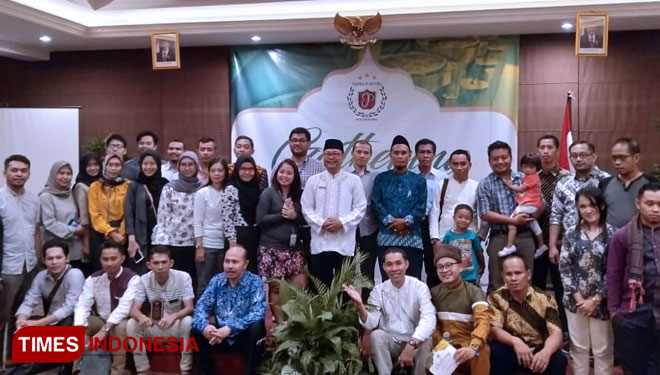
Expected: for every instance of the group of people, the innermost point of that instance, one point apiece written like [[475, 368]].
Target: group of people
[[193, 247]]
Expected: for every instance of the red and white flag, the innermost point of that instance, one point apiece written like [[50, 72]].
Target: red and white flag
[[566, 136]]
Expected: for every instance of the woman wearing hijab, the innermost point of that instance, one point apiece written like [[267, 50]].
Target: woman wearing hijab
[[59, 214], [245, 179], [106, 207], [176, 212], [216, 215], [89, 171], [141, 206]]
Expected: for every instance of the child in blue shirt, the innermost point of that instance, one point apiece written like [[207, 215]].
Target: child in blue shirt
[[465, 239]]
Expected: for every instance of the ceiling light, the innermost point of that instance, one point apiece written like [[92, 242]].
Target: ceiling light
[[567, 26], [256, 38], [45, 38]]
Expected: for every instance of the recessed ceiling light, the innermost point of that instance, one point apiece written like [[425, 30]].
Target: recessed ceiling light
[[567, 26], [45, 38], [256, 38]]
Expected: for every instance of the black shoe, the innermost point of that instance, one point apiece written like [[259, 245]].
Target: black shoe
[[38, 368]]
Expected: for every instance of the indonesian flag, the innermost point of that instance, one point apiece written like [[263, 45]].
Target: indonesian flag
[[566, 136]]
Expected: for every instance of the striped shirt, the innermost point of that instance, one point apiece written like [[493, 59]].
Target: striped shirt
[[177, 289], [548, 184]]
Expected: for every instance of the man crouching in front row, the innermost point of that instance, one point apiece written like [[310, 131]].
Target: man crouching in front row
[[169, 294]]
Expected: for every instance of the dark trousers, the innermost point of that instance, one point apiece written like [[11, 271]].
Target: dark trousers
[[539, 279], [184, 260], [637, 342], [324, 265], [368, 245], [415, 258], [246, 344], [431, 276], [504, 361], [64, 368], [249, 238]]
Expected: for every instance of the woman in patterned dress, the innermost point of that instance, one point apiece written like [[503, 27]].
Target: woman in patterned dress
[[582, 267]]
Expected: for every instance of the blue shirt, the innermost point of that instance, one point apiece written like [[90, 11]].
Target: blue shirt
[[469, 243], [235, 307], [494, 195], [433, 178], [399, 196]]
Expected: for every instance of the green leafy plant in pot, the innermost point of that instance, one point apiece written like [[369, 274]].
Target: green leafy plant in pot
[[320, 334]]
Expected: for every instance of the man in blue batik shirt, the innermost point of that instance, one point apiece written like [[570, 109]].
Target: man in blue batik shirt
[[229, 316], [398, 199]]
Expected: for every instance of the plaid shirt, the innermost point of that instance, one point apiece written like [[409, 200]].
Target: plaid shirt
[[493, 195], [309, 168], [564, 210]]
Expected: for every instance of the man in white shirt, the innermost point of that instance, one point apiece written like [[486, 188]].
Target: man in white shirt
[[175, 148], [425, 150], [110, 291], [19, 215], [170, 296], [403, 319], [460, 189], [333, 204]]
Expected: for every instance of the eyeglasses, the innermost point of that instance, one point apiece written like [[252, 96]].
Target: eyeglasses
[[115, 145], [446, 266], [582, 155], [620, 157]]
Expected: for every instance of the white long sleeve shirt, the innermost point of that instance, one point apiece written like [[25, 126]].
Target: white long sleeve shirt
[[404, 313], [457, 192], [96, 291], [340, 196]]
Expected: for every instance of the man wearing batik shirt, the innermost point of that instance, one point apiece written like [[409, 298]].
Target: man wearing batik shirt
[[229, 316], [462, 311], [524, 325], [244, 145], [333, 204], [564, 210], [548, 149], [399, 202]]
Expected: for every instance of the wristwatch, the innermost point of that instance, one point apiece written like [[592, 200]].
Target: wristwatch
[[475, 347], [413, 343], [105, 329]]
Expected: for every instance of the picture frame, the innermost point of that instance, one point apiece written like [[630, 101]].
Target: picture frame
[[592, 34], [165, 50]]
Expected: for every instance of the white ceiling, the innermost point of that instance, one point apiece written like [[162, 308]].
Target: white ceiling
[[75, 25]]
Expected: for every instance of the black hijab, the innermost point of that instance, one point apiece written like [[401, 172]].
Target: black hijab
[[82, 176], [248, 192], [153, 183]]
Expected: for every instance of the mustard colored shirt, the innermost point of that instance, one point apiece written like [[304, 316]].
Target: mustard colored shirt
[[106, 204]]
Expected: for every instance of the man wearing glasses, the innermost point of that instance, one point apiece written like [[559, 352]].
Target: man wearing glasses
[[621, 191], [403, 317], [115, 144], [564, 210]]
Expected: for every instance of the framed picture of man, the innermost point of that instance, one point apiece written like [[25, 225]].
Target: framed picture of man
[[591, 34], [165, 50]]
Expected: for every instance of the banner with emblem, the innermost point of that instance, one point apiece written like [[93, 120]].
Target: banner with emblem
[[461, 93]]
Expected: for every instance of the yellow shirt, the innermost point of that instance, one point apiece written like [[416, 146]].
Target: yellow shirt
[[106, 204]]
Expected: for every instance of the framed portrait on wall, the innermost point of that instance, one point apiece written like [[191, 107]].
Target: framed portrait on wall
[[591, 34], [165, 50]]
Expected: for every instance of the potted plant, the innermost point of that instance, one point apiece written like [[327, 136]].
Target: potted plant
[[321, 333]]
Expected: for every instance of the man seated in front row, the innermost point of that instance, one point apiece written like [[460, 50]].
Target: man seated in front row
[[170, 296], [110, 292], [229, 316], [525, 324], [403, 319], [462, 311], [57, 288]]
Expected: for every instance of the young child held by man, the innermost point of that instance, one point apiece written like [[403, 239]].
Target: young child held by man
[[529, 201], [464, 238]]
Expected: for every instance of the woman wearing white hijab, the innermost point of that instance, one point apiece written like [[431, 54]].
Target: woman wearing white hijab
[[60, 218]]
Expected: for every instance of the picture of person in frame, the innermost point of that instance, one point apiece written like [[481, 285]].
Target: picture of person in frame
[[591, 36], [166, 50]]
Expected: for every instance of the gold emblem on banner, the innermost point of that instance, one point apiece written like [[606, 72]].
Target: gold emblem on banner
[[358, 31]]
